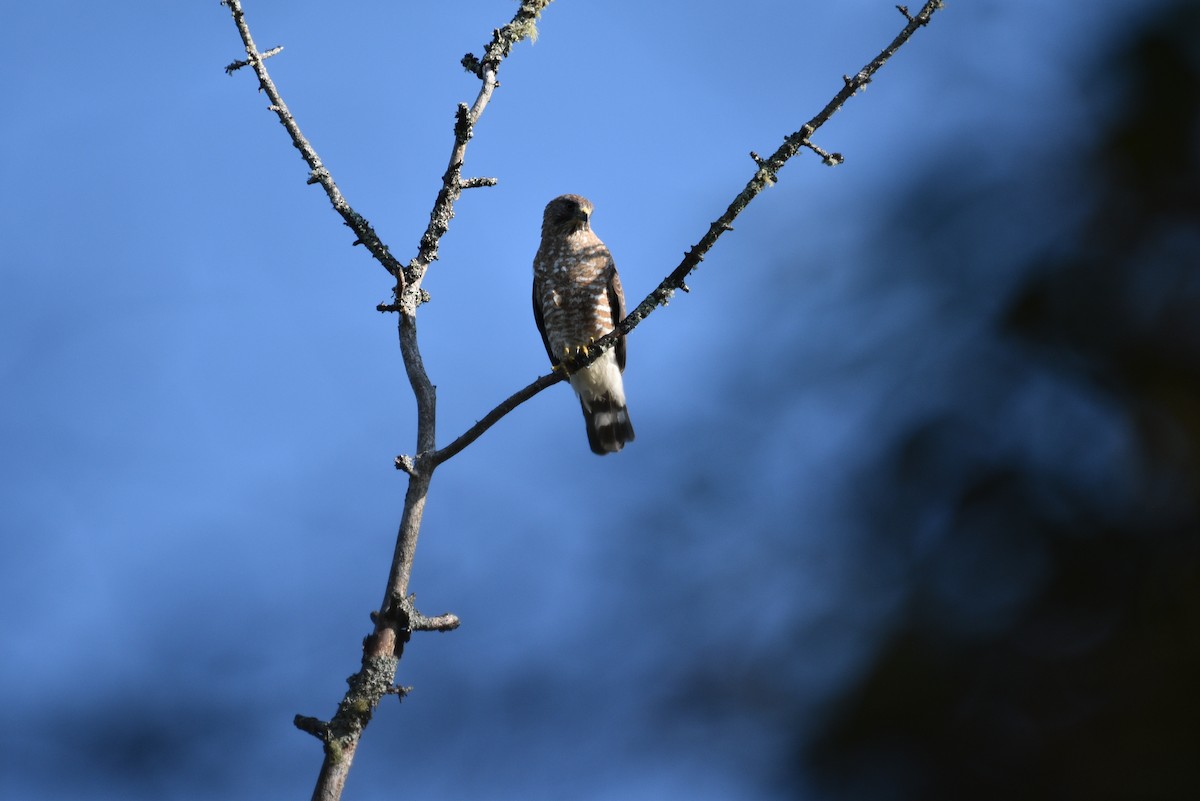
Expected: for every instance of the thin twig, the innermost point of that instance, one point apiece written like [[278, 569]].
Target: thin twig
[[410, 294], [511, 402], [827, 158], [419, 622], [314, 726], [764, 176], [237, 65], [522, 26], [363, 230], [397, 618]]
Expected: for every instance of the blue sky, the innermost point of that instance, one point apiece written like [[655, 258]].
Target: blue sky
[[201, 406]]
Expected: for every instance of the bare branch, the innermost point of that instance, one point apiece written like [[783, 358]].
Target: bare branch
[[491, 418], [828, 159], [318, 173], [764, 176], [419, 622], [237, 65], [522, 26], [314, 726], [475, 183], [397, 619]]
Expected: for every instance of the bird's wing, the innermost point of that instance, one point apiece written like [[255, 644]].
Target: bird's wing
[[616, 302], [541, 322]]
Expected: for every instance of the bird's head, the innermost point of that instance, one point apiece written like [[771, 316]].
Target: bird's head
[[567, 214]]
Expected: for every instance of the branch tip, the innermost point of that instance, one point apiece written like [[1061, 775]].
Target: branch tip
[[398, 691], [767, 170], [314, 726], [356, 221], [237, 65], [475, 183], [443, 622], [377, 677], [416, 621], [827, 158]]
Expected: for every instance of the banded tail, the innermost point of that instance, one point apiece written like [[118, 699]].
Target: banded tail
[[608, 426]]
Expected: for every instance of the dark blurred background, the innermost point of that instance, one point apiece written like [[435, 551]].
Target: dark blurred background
[[912, 512], [1033, 528]]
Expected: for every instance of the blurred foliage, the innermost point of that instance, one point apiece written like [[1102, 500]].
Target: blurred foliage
[[1062, 661]]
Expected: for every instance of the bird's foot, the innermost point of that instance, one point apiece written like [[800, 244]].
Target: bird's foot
[[575, 351]]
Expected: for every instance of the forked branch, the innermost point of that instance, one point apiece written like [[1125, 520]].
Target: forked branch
[[397, 617], [365, 234], [766, 175]]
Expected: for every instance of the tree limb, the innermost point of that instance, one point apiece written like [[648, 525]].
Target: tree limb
[[408, 295], [397, 618], [318, 173], [474, 432], [766, 175]]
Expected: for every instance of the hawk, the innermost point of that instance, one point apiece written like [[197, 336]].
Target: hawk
[[577, 299]]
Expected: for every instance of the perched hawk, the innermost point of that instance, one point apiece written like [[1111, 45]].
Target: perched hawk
[[577, 299]]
